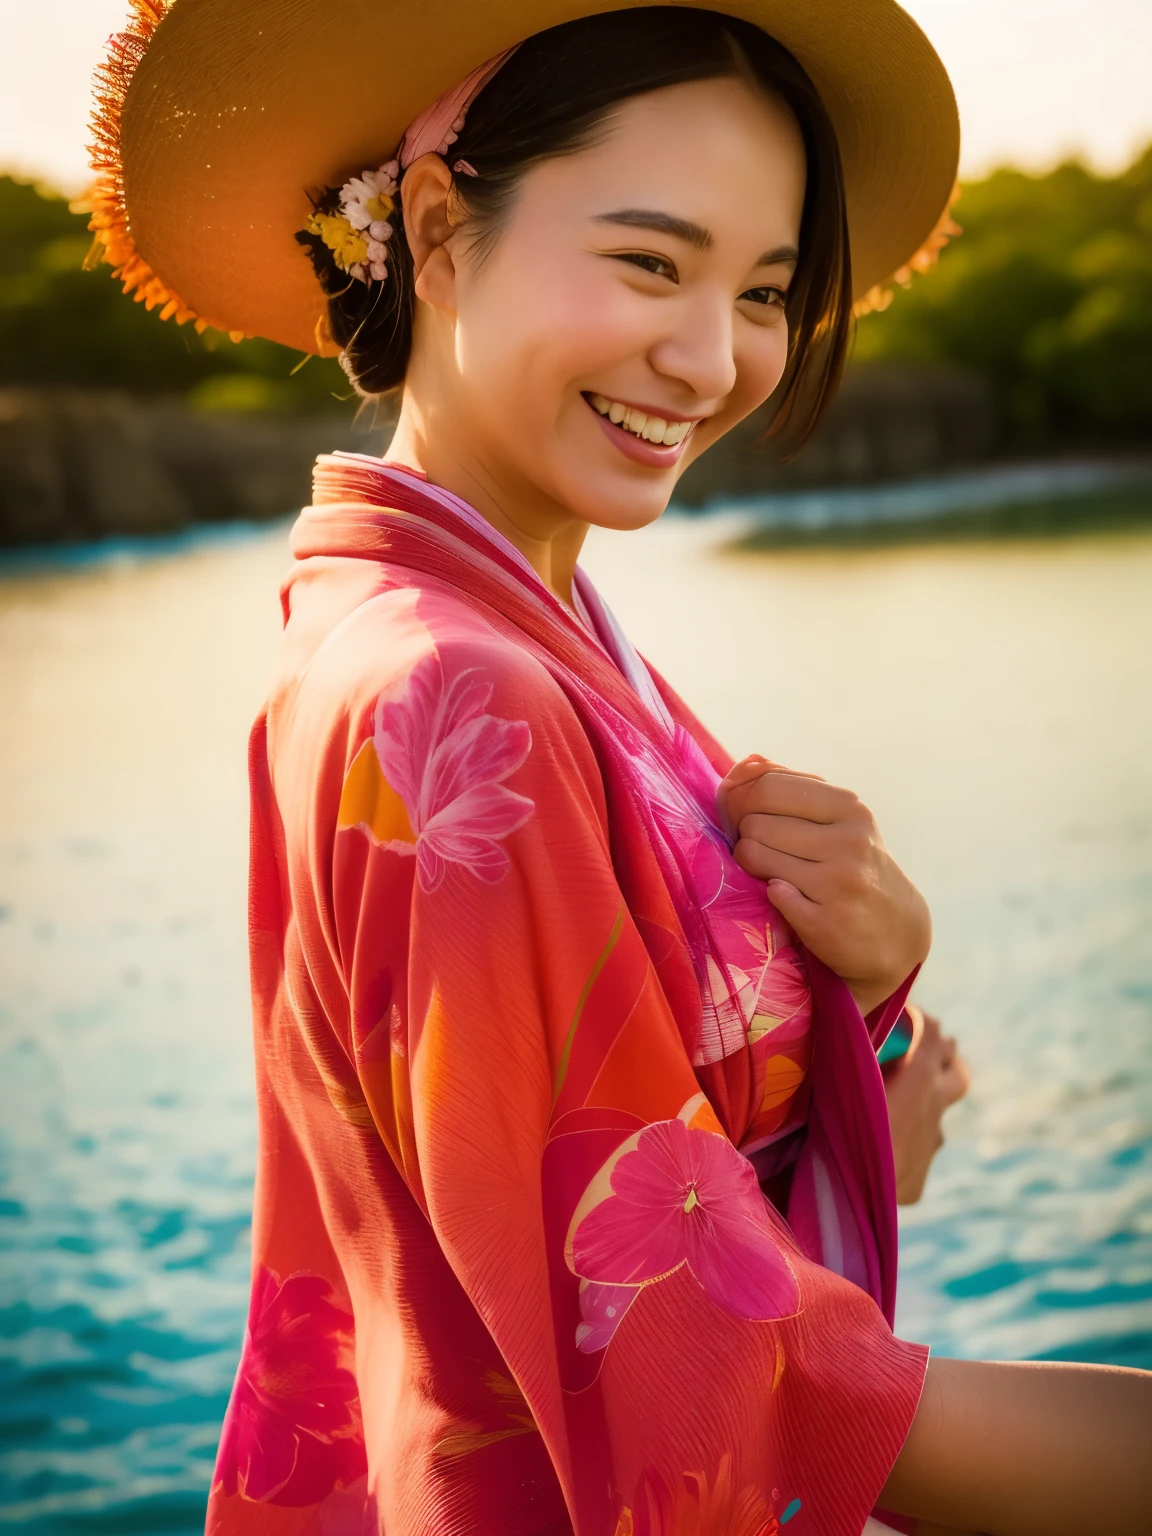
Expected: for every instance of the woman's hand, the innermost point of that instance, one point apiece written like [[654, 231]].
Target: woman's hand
[[829, 873], [920, 1086]]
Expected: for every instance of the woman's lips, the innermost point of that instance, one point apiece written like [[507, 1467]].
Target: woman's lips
[[638, 449]]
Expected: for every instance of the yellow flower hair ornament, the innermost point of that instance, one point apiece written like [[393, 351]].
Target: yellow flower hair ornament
[[355, 224]]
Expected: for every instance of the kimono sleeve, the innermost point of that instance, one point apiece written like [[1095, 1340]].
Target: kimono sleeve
[[681, 1360]]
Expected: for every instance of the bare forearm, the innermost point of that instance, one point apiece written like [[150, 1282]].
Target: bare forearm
[[1029, 1449]]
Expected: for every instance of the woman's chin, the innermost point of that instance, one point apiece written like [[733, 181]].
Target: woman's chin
[[617, 501], [603, 487]]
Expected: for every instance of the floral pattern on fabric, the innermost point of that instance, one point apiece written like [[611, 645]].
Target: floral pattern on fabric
[[349, 1511], [430, 782], [466, 1085], [292, 1434], [510, 1418], [703, 1506], [602, 1309], [751, 977], [678, 1196]]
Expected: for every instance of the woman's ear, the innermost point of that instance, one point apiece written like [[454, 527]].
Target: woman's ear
[[425, 191]]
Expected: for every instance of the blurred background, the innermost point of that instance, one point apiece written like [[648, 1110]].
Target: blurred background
[[943, 602]]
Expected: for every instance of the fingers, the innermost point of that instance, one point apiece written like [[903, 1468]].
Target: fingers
[[737, 792], [771, 864], [930, 1032], [955, 1080], [803, 914], [784, 793], [935, 1046], [756, 764], [919, 1023], [793, 834], [935, 1057], [739, 778]]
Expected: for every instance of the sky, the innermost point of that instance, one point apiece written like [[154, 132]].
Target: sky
[[1036, 80]]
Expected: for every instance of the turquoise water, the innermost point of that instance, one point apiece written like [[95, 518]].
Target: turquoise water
[[990, 702]]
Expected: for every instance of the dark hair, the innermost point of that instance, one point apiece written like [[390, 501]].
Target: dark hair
[[549, 99]]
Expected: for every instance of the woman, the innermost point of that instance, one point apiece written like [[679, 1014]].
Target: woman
[[575, 1208]]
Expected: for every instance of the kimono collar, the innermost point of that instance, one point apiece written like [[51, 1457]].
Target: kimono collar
[[343, 478]]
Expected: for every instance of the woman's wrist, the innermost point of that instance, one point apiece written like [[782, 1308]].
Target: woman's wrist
[[873, 992], [870, 995]]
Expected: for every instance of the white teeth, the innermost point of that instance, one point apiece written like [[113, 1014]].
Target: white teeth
[[653, 429]]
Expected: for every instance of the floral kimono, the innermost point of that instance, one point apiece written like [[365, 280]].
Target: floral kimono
[[527, 1041]]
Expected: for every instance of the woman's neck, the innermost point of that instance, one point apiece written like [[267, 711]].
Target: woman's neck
[[548, 538]]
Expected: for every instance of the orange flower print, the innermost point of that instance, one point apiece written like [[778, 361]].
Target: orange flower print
[[696, 1505]]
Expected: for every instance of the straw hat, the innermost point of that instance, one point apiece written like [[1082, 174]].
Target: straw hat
[[213, 117]]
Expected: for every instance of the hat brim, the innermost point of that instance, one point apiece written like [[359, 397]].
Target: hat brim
[[231, 113]]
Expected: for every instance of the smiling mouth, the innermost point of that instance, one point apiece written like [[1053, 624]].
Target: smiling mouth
[[653, 429]]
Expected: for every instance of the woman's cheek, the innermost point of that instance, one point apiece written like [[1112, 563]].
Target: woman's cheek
[[760, 365], [599, 325], [530, 334]]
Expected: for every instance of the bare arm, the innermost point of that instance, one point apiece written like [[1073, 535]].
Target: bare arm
[[1029, 1449]]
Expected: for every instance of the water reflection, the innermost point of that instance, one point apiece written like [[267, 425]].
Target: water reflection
[[991, 703]]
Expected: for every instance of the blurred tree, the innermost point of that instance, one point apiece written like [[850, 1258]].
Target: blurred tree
[[1048, 293], [62, 325]]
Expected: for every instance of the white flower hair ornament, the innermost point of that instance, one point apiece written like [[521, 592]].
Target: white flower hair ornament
[[366, 202], [357, 233], [356, 223]]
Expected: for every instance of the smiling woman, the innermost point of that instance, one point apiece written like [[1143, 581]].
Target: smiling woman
[[576, 1205], [703, 140], [629, 266]]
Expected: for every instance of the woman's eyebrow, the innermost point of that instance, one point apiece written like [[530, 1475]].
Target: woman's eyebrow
[[692, 234], [783, 255], [663, 223]]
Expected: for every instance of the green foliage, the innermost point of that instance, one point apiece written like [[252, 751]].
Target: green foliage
[[1048, 293], [62, 325]]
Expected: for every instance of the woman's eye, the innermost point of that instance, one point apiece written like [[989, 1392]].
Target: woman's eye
[[772, 297], [657, 265]]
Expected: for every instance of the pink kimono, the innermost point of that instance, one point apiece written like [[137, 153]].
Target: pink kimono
[[527, 1041]]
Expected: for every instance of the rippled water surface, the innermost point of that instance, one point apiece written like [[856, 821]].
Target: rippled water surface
[[990, 702]]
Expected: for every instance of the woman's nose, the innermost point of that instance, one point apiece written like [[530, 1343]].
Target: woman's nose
[[699, 351]]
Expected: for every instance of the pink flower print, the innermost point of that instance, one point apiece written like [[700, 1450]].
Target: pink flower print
[[684, 1196], [602, 1309], [445, 757], [785, 994], [292, 1432]]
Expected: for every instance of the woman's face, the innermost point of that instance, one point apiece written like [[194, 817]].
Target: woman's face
[[631, 309]]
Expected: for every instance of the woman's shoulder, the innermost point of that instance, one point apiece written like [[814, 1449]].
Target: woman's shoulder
[[414, 689], [424, 647]]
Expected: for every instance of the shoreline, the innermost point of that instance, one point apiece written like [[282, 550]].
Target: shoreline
[[1031, 500]]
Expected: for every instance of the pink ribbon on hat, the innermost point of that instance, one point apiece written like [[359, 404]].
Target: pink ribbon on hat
[[437, 127], [432, 133]]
